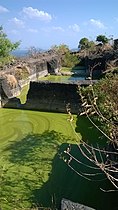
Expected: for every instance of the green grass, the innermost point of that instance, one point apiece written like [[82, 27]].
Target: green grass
[[23, 94], [65, 69], [32, 168]]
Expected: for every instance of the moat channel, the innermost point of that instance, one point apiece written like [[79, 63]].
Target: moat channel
[[34, 172]]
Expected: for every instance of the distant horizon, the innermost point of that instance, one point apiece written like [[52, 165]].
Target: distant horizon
[[26, 49]]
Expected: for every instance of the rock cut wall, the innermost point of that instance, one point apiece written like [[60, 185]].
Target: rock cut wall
[[51, 97], [48, 96]]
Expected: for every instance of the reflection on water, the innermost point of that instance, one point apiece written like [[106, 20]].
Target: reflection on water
[[76, 78]]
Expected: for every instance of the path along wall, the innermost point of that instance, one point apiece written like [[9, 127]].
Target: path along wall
[[48, 96]]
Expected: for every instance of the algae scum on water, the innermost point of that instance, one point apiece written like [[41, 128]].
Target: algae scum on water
[[33, 171], [29, 142]]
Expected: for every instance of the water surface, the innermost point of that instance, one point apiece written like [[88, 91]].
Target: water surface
[[33, 167], [62, 79]]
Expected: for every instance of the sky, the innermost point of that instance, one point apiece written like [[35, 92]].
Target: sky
[[45, 23]]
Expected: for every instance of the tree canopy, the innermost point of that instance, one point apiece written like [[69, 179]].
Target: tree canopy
[[102, 38], [61, 49], [67, 59], [6, 46], [83, 43]]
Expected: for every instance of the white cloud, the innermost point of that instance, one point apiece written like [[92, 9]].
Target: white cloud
[[3, 9], [97, 23], [33, 30], [57, 28], [32, 13], [74, 27], [17, 22]]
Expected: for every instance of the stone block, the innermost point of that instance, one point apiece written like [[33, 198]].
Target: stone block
[[69, 205]]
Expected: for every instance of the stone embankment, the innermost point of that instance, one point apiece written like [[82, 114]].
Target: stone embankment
[[48, 96]]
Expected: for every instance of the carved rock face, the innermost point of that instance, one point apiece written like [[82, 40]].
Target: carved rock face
[[10, 80], [69, 205], [10, 86]]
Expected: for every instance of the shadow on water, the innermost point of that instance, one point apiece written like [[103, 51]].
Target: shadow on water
[[44, 153], [89, 133], [34, 147], [64, 183]]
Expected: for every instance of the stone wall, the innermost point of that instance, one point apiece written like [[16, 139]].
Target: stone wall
[[100, 60], [12, 92], [52, 97], [36, 67], [51, 65], [47, 96]]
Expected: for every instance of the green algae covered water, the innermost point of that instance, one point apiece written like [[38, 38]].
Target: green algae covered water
[[28, 143], [62, 79], [33, 170], [15, 124]]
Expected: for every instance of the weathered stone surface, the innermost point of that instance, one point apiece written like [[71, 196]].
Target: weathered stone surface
[[99, 60], [10, 86], [48, 96], [32, 68], [69, 205], [13, 103]]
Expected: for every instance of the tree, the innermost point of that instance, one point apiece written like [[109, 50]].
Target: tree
[[6, 47], [91, 45], [67, 59], [102, 38], [99, 102], [61, 49], [83, 43]]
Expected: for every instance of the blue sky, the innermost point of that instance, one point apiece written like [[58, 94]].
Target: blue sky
[[44, 23]]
